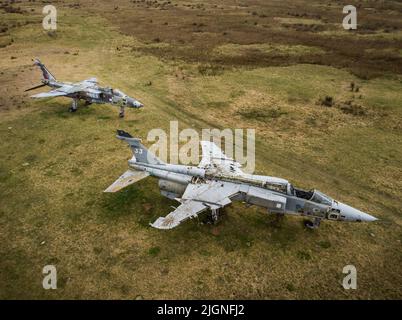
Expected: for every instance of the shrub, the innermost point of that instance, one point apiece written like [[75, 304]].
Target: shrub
[[328, 101]]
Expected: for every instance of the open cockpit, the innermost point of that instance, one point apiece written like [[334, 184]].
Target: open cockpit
[[311, 195]]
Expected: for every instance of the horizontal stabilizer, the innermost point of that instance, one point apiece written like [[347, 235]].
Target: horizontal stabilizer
[[122, 133], [127, 178], [36, 87]]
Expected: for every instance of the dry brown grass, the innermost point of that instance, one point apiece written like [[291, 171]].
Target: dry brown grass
[[193, 35]]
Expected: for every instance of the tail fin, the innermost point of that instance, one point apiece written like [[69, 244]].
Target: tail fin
[[46, 73], [140, 153]]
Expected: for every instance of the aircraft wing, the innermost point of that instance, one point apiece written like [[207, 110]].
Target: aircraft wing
[[50, 94], [187, 210], [214, 159], [197, 198], [127, 178], [62, 91], [91, 81], [92, 90]]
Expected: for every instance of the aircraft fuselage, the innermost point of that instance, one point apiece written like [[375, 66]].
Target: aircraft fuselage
[[275, 194]]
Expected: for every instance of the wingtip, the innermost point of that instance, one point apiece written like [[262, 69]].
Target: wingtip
[[161, 224]]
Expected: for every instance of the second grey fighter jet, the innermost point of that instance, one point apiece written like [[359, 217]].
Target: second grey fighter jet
[[218, 180], [87, 90]]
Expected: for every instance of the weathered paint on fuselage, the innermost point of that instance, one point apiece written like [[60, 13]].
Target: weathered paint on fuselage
[[275, 194], [92, 93]]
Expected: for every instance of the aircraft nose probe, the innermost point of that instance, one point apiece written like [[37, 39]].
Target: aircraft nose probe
[[351, 214]]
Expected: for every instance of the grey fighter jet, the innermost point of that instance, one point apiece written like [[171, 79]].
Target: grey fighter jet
[[87, 90], [218, 180]]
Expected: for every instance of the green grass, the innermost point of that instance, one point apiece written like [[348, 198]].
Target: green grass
[[262, 114], [55, 165]]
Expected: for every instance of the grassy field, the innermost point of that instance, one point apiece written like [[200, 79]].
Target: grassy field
[[267, 65]]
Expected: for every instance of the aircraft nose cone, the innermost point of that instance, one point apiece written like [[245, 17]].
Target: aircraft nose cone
[[135, 104], [353, 214]]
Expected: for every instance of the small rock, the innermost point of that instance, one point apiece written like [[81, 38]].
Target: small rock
[[42, 243], [372, 234], [139, 297], [25, 164], [9, 128], [215, 231]]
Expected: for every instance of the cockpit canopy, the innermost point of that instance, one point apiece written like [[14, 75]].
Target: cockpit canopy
[[119, 93], [312, 195], [322, 198]]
